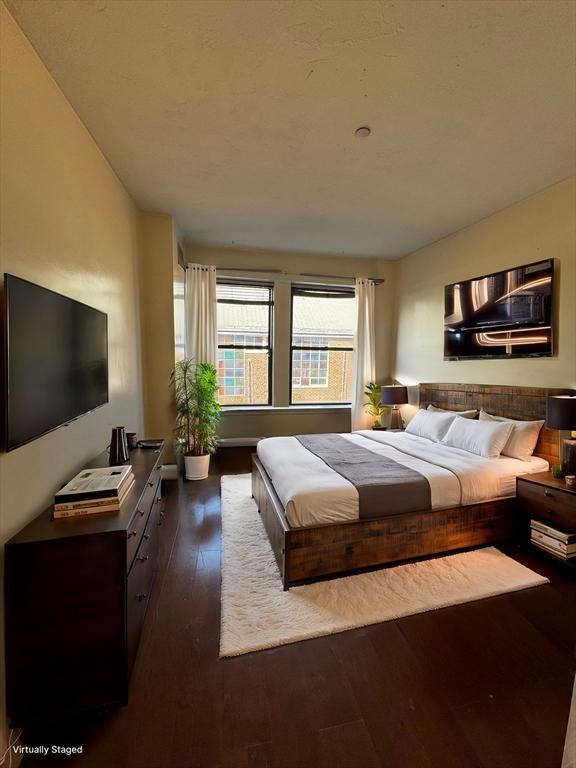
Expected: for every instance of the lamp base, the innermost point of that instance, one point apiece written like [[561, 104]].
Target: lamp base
[[569, 457], [396, 418]]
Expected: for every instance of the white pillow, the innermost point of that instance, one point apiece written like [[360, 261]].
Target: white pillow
[[485, 438], [430, 425], [465, 414], [523, 439]]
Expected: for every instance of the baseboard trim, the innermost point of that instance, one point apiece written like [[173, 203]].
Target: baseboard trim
[[238, 442], [169, 472]]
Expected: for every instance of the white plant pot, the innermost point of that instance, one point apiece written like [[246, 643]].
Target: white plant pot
[[196, 467]]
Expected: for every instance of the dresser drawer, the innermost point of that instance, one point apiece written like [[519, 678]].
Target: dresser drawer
[[140, 579], [552, 504], [140, 520], [146, 552], [149, 493]]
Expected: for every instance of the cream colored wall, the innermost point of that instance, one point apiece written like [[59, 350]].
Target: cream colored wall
[[67, 224], [540, 227], [156, 282], [267, 423]]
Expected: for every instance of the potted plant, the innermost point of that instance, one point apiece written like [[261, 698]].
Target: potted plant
[[197, 413], [374, 406]]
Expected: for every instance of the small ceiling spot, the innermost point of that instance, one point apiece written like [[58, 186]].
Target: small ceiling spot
[[362, 132]]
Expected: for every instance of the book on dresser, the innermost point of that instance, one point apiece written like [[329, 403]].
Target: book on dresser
[[93, 506], [94, 483], [93, 491]]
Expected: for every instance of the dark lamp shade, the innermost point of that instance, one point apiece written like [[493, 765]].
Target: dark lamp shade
[[395, 395], [561, 412]]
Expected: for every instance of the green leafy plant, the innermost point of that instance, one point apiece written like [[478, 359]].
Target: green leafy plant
[[197, 408], [373, 406], [556, 470]]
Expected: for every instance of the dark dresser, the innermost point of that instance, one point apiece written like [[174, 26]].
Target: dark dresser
[[76, 593]]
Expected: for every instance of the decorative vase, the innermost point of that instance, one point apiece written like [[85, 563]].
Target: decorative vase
[[118, 446], [196, 467]]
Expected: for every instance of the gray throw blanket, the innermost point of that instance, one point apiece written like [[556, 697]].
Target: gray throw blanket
[[384, 486]]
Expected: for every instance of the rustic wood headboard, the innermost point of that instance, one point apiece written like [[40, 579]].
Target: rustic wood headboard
[[528, 403]]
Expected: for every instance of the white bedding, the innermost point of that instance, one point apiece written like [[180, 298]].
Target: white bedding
[[312, 493]]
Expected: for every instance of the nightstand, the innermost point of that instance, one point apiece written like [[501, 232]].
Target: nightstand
[[543, 497]]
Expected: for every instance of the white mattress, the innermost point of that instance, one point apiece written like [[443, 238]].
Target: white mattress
[[313, 494]]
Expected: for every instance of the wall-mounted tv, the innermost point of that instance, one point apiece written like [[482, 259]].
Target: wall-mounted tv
[[55, 360], [505, 314]]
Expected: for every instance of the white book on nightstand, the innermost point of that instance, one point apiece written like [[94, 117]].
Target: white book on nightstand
[[556, 533], [553, 545]]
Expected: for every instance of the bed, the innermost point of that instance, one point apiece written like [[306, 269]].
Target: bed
[[312, 515]]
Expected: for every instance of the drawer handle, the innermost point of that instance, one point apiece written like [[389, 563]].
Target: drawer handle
[[150, 483], [146, 536], [132, 533], [548, 493], [142, 558], [141, 512], [141, 596]]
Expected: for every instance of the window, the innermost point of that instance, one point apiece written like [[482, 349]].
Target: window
[[322, 348], [244, 349], [231, 371], [310, 364]]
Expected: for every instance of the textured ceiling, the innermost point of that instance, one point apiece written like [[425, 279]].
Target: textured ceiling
[[238, 117]]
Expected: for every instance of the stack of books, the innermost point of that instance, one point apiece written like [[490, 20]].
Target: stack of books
[[94, 491], [556, 542]]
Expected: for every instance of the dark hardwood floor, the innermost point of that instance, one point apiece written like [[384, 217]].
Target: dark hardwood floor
[[486, 684]]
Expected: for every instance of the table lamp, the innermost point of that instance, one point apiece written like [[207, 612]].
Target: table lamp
[[561, 414], [394, 395]]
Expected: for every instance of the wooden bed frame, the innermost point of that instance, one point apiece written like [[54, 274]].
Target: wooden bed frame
[[309, 553]]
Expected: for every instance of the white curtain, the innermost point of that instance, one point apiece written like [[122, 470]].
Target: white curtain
[[201, 317], [364, 352]]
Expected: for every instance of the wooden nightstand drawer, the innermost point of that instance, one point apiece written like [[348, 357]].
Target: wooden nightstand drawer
[[548, 502]]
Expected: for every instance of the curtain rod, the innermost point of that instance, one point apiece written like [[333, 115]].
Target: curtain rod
[[376, 280]]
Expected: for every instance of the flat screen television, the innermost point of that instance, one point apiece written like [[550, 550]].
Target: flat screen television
[[505, 314], [55, 360]]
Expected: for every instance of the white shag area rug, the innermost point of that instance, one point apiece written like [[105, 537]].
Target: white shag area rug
[[569, 758], [258, 614]]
